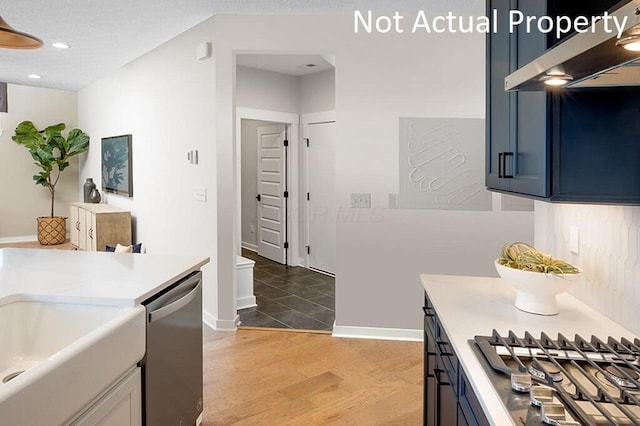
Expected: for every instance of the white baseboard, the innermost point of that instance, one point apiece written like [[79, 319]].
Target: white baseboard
[[246, 302], [249, 246], [22, 239], [218, 324], [378, 333]]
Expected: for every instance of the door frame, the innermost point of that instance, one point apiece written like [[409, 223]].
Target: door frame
[[307, 119], [292, 122]]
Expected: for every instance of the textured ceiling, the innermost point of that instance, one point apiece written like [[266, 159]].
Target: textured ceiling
[[106, 34]]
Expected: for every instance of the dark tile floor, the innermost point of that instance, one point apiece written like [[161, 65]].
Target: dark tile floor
[[289, 297]]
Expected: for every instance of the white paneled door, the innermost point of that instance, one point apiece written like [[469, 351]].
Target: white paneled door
[[272, 227], [322, 206]]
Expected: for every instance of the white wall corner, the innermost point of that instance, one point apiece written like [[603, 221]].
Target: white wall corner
[[378, 333]]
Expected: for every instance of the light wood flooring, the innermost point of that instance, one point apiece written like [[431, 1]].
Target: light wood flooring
[[269, 377]]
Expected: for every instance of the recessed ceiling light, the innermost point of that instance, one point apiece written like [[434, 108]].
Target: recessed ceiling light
[[34, 76], [59, 45]]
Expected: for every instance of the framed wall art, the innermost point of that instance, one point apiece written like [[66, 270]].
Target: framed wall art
[[117, 174]]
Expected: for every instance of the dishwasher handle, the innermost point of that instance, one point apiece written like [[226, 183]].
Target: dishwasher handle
[[167, 310]]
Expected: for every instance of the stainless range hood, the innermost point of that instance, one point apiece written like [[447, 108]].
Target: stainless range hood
[[591, 58]]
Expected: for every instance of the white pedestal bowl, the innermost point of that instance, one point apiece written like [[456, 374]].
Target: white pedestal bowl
[[536, 291]]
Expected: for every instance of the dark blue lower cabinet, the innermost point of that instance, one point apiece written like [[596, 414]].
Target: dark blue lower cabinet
[[448, 398], [469, 409]]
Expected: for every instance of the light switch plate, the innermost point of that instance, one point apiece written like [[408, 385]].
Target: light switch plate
[[361, 201], [201, 193], [574, 239]]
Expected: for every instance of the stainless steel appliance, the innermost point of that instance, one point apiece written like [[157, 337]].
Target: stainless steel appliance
[[564, 381], [172, 366], [592, 57]]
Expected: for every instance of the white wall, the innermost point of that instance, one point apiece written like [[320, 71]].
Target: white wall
[[23, 201], [379, 78], [166, 100], [317, 92], [609, 254], [266, 90]]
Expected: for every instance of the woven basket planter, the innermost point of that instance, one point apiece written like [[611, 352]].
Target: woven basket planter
[[52, 230]]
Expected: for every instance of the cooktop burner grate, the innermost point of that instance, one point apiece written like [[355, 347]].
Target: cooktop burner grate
[[591, 381]]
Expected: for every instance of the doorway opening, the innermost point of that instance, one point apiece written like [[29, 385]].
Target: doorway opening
[[277, 219]]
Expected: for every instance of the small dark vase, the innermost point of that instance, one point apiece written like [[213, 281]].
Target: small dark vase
[[95, 196], [88, 187]]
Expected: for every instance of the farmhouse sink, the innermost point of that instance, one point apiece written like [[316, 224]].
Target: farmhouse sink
[[56, 358]]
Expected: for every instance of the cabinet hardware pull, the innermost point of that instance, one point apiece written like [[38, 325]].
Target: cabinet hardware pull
[[78, 225], [504, 167], [427, 312], [91, 233]]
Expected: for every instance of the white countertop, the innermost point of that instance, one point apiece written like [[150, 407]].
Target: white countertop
[[470, 306], [98, 278]]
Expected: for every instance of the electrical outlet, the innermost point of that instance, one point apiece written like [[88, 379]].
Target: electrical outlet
[[360, 201], [574, 239]]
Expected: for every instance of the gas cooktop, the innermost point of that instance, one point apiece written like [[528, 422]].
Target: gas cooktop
[[564, 381]]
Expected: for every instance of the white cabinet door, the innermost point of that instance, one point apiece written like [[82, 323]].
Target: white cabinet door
[[121, 406]]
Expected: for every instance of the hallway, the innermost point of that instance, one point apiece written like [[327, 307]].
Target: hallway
[[289, 297]]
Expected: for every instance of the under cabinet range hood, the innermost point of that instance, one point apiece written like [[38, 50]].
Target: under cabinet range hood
[[591, 58]]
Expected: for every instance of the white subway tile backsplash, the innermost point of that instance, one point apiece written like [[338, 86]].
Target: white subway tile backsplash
[[609, 254]]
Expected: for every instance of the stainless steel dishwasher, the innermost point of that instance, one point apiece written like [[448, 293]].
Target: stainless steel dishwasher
[[172, 365]]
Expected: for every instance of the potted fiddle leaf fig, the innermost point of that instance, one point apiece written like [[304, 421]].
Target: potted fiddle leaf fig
[[51, 152]]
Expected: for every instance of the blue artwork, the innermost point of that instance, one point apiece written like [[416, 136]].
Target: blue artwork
[[117, 174]]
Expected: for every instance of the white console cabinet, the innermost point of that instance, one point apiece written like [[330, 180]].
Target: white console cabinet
[[94, 226], [120, 406]]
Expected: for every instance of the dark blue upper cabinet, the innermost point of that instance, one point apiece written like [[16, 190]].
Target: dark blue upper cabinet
[[569, 145], [517, 123], [596, 146]]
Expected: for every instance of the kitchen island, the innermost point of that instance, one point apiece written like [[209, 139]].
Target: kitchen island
[[74, 330], [466, 307]]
